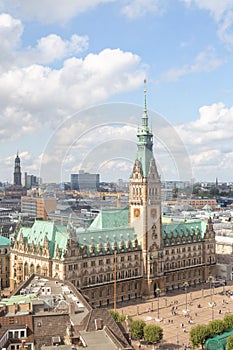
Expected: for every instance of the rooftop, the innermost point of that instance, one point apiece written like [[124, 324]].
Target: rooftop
[[59, 297]]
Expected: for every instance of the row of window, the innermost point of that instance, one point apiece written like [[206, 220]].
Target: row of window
[[17, 334], [19, 346], [110, 277], [102, 262], [184, 263], [183, 275], [109, 291], [182, 240], [183, 249]]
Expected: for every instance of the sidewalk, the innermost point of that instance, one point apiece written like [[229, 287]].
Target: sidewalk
[[177, 320]]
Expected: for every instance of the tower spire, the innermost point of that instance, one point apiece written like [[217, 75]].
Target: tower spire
[[17, 170], [145, 116]]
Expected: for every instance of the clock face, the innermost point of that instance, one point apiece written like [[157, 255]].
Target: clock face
[[136, 212], [153, 213]]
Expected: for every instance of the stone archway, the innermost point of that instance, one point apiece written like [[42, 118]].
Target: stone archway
[[38, 269], [32, 269]]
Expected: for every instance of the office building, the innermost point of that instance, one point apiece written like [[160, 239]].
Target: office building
[[38, 207], [84, 181]]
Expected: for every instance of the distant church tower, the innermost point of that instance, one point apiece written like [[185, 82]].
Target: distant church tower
[[17, 172], [145, 208]]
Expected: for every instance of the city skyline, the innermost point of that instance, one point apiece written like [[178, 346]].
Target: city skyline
[[60, 63]]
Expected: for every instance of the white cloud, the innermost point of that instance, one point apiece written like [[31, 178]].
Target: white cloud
[[33, 96], [38, 96], [50, 11], [11, 30], [209, 140], [205, 61], [53, 48], [222, 12], [217, 8], [48, 49], [139, 8], [225, 30]]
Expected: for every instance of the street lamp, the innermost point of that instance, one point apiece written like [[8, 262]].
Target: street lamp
[[177, 339], [186, 285], [210, 279], [158, 291]]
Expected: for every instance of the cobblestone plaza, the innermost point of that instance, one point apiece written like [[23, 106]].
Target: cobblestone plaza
[[176, 313]]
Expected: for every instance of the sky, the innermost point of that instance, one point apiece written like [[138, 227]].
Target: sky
[[72, 87]]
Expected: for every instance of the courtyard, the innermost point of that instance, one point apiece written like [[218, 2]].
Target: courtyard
[[178, 311]]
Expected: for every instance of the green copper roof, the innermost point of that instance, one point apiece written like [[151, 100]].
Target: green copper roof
[[110, 218], [16, 299], [145, 142], [106, 235], [108, 231], [4, 241], [56, 236], [183, 228]]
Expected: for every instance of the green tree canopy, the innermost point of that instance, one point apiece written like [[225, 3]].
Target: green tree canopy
[[153, 333], [117, 317], [216, 327], [137, 329], [230, 343], [228, 322], [198, 335]]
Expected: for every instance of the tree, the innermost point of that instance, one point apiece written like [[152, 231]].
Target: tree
[[228, 322], [117, 317], [198, 335], [216, 327], [214, 191], [153, 333], [230, 343], [137, 329]]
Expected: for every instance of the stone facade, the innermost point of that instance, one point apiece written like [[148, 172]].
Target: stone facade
[[90, 266], [125, 253], [4, 262]]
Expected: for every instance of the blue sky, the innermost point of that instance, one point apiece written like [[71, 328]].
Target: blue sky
[[61, 58]]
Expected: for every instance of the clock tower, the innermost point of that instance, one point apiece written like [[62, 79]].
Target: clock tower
[[17, 171], [145, 208]]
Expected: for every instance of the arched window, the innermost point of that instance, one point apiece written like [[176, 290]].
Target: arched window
[[44, 270], [32, 269], [26, 271]]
